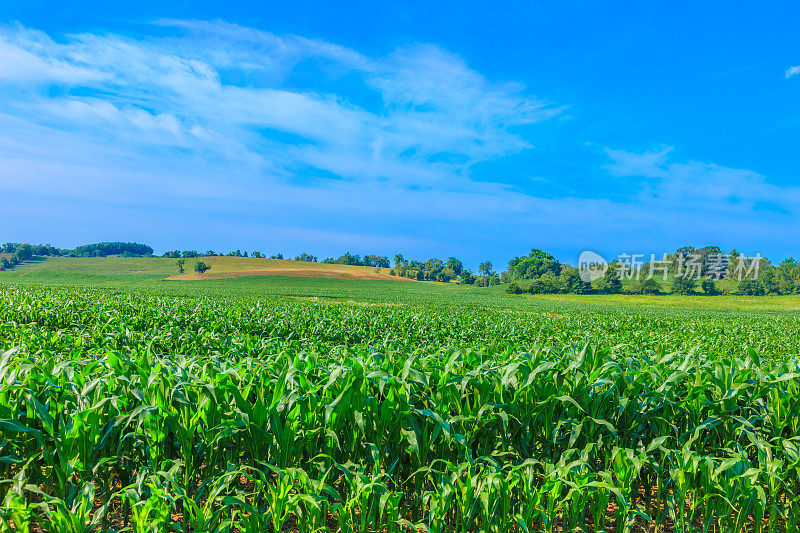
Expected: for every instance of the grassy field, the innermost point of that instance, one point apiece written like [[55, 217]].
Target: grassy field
[[281, 403], [167, 268], [674, 301]]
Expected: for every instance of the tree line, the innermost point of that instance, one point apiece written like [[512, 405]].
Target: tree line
[[380, 261], [434, 269], [452, 270], [188, 254], [14, 253], [689, 270]]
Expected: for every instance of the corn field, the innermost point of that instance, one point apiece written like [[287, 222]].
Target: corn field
[[155, 413]]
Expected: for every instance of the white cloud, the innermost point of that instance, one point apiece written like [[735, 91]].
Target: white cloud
[[648, 164], [704, 187], [210, 79], [792, 71]]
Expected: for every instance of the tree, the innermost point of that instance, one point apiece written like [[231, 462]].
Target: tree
[[787, 274], [708, 287], [647, 286], [768, 278], [485, 269], [349, 259], [376, 261], [24, 252], [733, 260], [306, 257], [571, 281], [201, 267], [513, 288], [750, 287], [549, 283], [707, 252], [610, 282], [132, 249], [181, 262], [535, 264], [536, 286], [434, 265], [455, 265], [494, 279], [683, 285], [466, 277], [210, 253], [685, 251]]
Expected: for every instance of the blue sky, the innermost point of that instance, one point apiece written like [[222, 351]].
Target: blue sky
[[431, 129]]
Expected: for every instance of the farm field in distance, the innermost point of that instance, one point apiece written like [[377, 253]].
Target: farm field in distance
[[283, 403], [222, 267]]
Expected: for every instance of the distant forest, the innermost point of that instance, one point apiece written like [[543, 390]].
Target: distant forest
[[14, 253]]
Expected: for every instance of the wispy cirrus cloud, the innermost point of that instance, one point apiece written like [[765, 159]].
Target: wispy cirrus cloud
[[428, 103]]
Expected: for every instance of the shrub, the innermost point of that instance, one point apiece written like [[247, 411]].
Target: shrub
[[645, 286], [683, 285], [201, 267], [709, 287], [513, 288], [610, 282], [750, 287]]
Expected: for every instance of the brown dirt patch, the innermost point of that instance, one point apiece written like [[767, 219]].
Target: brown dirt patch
[[288, 272]]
